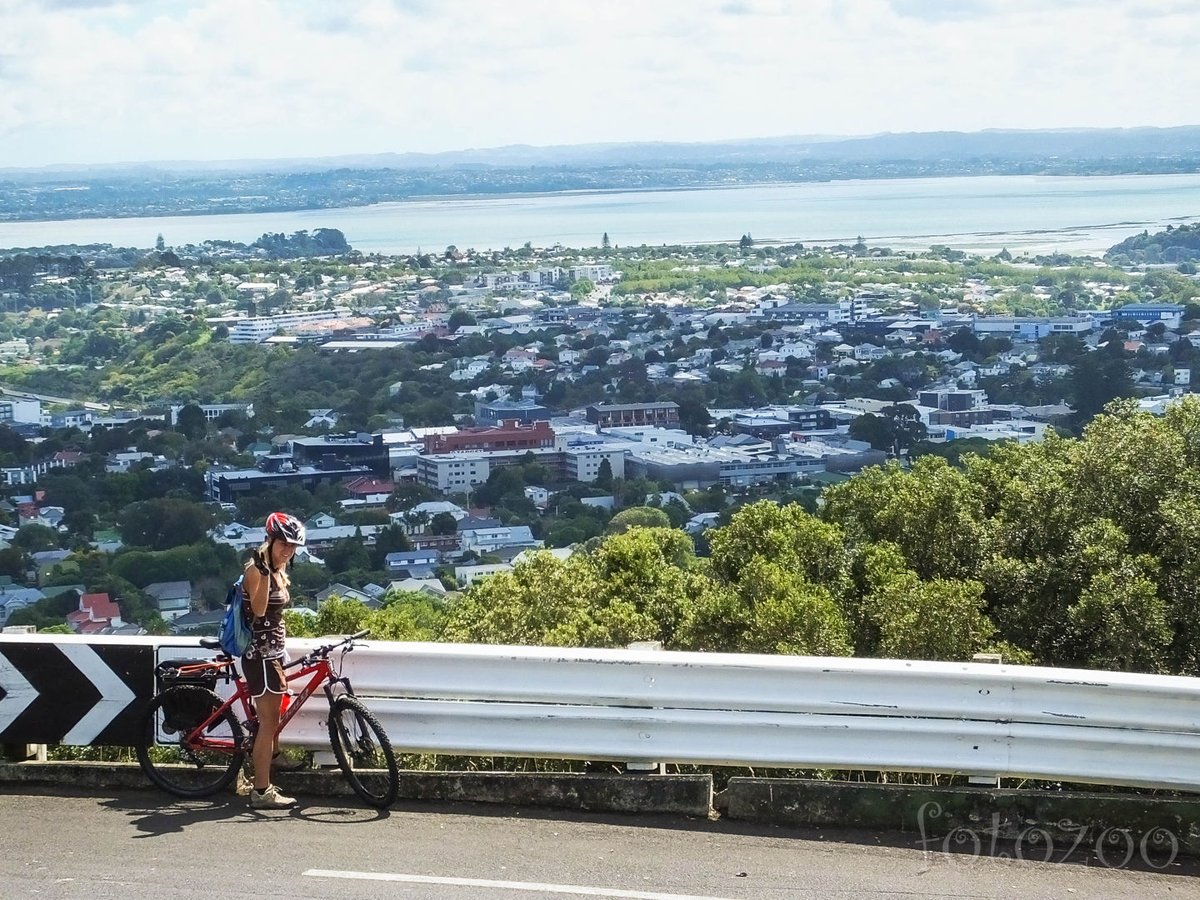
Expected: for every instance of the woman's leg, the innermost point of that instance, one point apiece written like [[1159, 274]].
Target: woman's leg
[[266, 708]]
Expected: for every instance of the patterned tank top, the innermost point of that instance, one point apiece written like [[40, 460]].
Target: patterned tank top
[[267, 632]]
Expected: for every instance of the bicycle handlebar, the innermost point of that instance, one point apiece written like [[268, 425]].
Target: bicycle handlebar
[[324, 651]]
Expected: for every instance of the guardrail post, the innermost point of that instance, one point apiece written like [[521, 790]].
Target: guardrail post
[[987, 781], [652, 768]]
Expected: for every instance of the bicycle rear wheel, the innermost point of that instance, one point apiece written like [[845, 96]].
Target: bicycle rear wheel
[[363, 751], [184, 764]]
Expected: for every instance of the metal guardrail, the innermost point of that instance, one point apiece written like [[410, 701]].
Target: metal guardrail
[[802, 712]]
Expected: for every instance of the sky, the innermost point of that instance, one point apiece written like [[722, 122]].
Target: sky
[[101, 81]]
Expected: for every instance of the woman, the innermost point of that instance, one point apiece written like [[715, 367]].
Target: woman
[[266, 588]]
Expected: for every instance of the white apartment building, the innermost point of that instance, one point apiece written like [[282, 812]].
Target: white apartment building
[[213, 411], [501, 280], [17, 410], [583, 463], [597, 272], [453, 473], [548, 276], [258, 329]]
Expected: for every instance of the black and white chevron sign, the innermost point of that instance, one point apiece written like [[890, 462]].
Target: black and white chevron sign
[[73, 692]]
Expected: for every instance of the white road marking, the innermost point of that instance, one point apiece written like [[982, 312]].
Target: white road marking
[[578, 890], [115, 695], [18, 693]]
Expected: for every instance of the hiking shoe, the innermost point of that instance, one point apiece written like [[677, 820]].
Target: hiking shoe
[[270, 799]]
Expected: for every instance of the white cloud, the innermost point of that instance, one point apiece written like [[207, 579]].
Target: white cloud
[[107, 80]]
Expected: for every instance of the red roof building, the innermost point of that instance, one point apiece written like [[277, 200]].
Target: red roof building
[[366, 486], [96, 614], [508, 435]]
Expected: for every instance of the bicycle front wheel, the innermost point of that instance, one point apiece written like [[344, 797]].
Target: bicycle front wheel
[[363, 751], [180, 758]]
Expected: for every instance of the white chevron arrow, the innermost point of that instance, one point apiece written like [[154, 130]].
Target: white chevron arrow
[[115, 695], [18, 693]]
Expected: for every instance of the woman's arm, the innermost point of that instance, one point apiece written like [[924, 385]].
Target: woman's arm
[[257, 588]]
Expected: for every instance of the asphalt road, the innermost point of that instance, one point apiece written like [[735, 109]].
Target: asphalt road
[[143, 845]]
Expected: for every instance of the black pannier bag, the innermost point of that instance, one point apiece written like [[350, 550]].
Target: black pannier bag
[[184, 710]]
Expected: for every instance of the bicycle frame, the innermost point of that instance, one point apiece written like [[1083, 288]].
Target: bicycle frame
[[322, 674]]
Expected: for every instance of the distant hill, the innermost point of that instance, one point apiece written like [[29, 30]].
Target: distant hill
[[1174, 245], [250, 186], [946, 146]]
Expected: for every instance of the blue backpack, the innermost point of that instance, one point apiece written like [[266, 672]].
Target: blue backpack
[[235, 627]]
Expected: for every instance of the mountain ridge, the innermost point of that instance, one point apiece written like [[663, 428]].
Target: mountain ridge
[[1000, 144]]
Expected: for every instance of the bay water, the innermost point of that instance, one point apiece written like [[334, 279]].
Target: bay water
[[1025, 214]]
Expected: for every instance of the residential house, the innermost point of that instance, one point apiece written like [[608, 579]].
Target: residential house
[[97, 614], [468, 575], [348, 593], [431, 586], [491, 535], [413, 563], [207, 622], [416, 520], [125, 460], [321, 418], [14, 597], [174, 598], [45, 560], [772, 368]]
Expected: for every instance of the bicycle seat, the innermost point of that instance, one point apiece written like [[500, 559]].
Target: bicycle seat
[[210, 643]]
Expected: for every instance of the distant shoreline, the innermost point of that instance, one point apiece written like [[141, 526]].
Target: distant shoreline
[[1038, 213], [477, 196]]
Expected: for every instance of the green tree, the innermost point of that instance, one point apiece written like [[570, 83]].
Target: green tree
[[347, 554], [638, 517], [162, 524], [459, 318], [878, 431], [34, 538], [391, 539], [1096, 379], [914, 619], [443, 523], [604, 476], [191, 422], [933, 513]]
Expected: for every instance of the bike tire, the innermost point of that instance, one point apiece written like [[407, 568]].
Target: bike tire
[[199, 773], [363, 751]]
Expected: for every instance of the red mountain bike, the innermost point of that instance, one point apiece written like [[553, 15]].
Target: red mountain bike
[[194, 743]]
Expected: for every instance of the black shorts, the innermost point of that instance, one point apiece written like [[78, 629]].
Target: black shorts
[[264, 676]]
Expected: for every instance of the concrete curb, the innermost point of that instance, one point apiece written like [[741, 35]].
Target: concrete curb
[[972, 820], [687, 795]]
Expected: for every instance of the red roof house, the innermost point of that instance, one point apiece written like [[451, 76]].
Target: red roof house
[[96, 614]]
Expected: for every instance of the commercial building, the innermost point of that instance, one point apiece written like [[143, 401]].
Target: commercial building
[[459, 472], [608, 415], [258, 329], [229, 485], [953, 400], [1029, 328], [507, 436], [332, 451], [526, 410], [1170, 314]]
